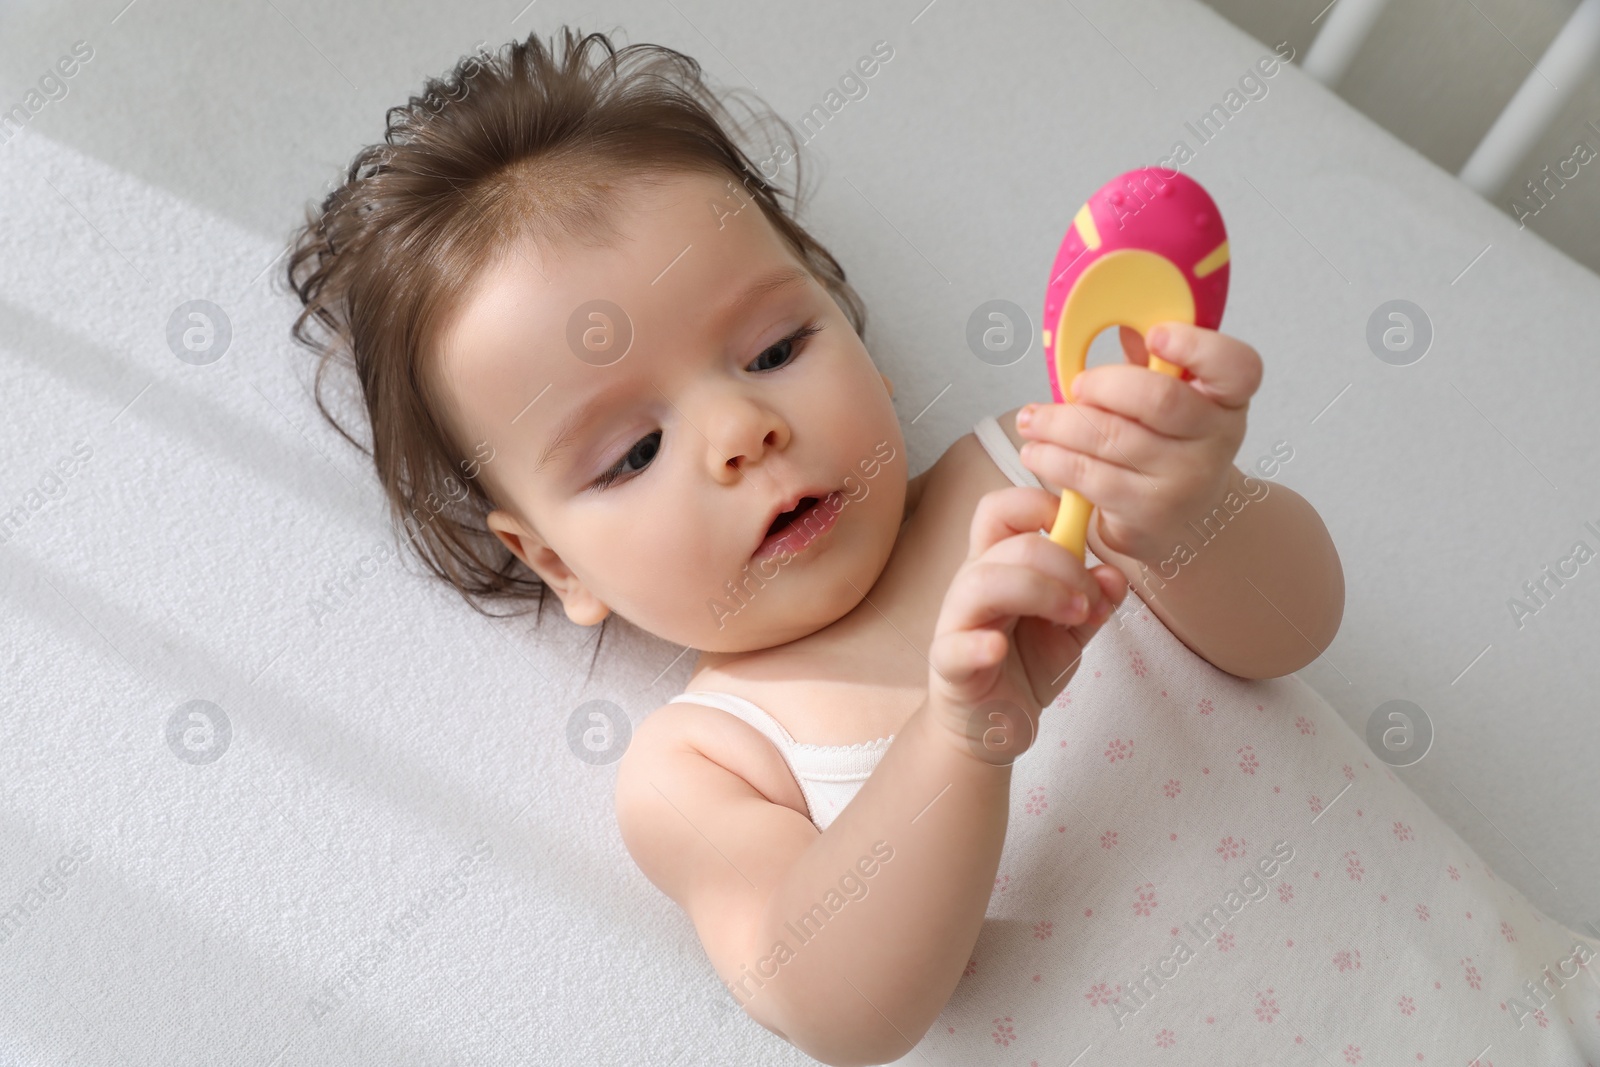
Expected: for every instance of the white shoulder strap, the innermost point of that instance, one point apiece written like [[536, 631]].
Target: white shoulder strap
[[1003, 452]]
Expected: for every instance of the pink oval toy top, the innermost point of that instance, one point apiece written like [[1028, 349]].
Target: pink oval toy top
[[1153, 210]]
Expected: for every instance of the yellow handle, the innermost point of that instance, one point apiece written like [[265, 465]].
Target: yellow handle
[[1129, 287]]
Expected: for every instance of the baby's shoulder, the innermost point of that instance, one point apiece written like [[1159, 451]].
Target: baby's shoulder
[[721, 746], [966, 465]]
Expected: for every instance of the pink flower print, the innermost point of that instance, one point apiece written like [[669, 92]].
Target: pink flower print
[[1119, 749], [1206, 707], [1136, 662], [1001, 882], [1353, 867], [971, 969], [1004, 1033], [1108, 839], [1422, 912], [1225, 941], [1285, 892], [1539, 1017], [1349, 773], [1474, 979], [1407, 1006], [1316, 805], [1344, 960], [1266, 1007], [1247, 759], [1305, 725], [1455, 875], [1165, 1039], [1172, 788], [1146, 902], [1402, 832], [1506, 931], [1352, 1053], [1044, 930], [1230, 849], [1101, 994], [1036, 802]]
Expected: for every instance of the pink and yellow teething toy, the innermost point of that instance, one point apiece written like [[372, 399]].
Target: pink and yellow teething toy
[[1148, 247]]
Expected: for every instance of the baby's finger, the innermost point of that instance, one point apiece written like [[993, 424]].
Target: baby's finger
[[1005, 513], [987, 594], [1098, 431], [1226, 370], [1113, 590], [1157, 402], [960, 656], [1039, 553]]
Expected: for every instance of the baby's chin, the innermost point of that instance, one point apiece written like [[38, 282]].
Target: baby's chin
[[795, 603], [739, 629], [771, 633]]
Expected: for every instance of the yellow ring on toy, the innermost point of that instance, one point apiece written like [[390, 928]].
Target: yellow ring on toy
[[1129, 287]]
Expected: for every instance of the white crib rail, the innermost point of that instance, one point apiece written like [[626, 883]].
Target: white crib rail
[[1546, 89], [1349, 22], [1544, 92]]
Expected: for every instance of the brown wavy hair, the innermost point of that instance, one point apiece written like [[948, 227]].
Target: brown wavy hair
[[519, 143]]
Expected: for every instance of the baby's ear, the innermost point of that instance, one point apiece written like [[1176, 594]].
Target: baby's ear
[[509, 529], [582, 606]]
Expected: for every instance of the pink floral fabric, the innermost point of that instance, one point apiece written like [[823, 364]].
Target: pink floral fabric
[[1203, 869]]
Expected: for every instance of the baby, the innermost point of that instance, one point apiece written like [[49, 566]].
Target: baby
[[600, 356]]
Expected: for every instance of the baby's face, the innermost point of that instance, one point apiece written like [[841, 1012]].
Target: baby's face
[[642, 476]]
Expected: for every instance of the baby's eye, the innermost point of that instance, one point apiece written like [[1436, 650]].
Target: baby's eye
[[643, 451], [785, 347]]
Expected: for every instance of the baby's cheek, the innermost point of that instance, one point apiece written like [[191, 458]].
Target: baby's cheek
[[688, 559]]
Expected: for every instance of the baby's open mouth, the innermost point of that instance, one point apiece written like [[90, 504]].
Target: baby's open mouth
[[798, 528], [790, 516]]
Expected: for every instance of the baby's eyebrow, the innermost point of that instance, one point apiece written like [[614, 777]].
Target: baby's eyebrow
[[568, 427], [771, 282]]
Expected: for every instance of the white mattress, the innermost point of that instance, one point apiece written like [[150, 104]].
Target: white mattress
[[376, 748]]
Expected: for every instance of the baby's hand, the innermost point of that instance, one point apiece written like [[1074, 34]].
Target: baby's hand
[[1150, 452], [1013, 625]]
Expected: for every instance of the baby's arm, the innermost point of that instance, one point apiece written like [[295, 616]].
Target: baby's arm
[[846, 943], [849, 943], [1260, 598]]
